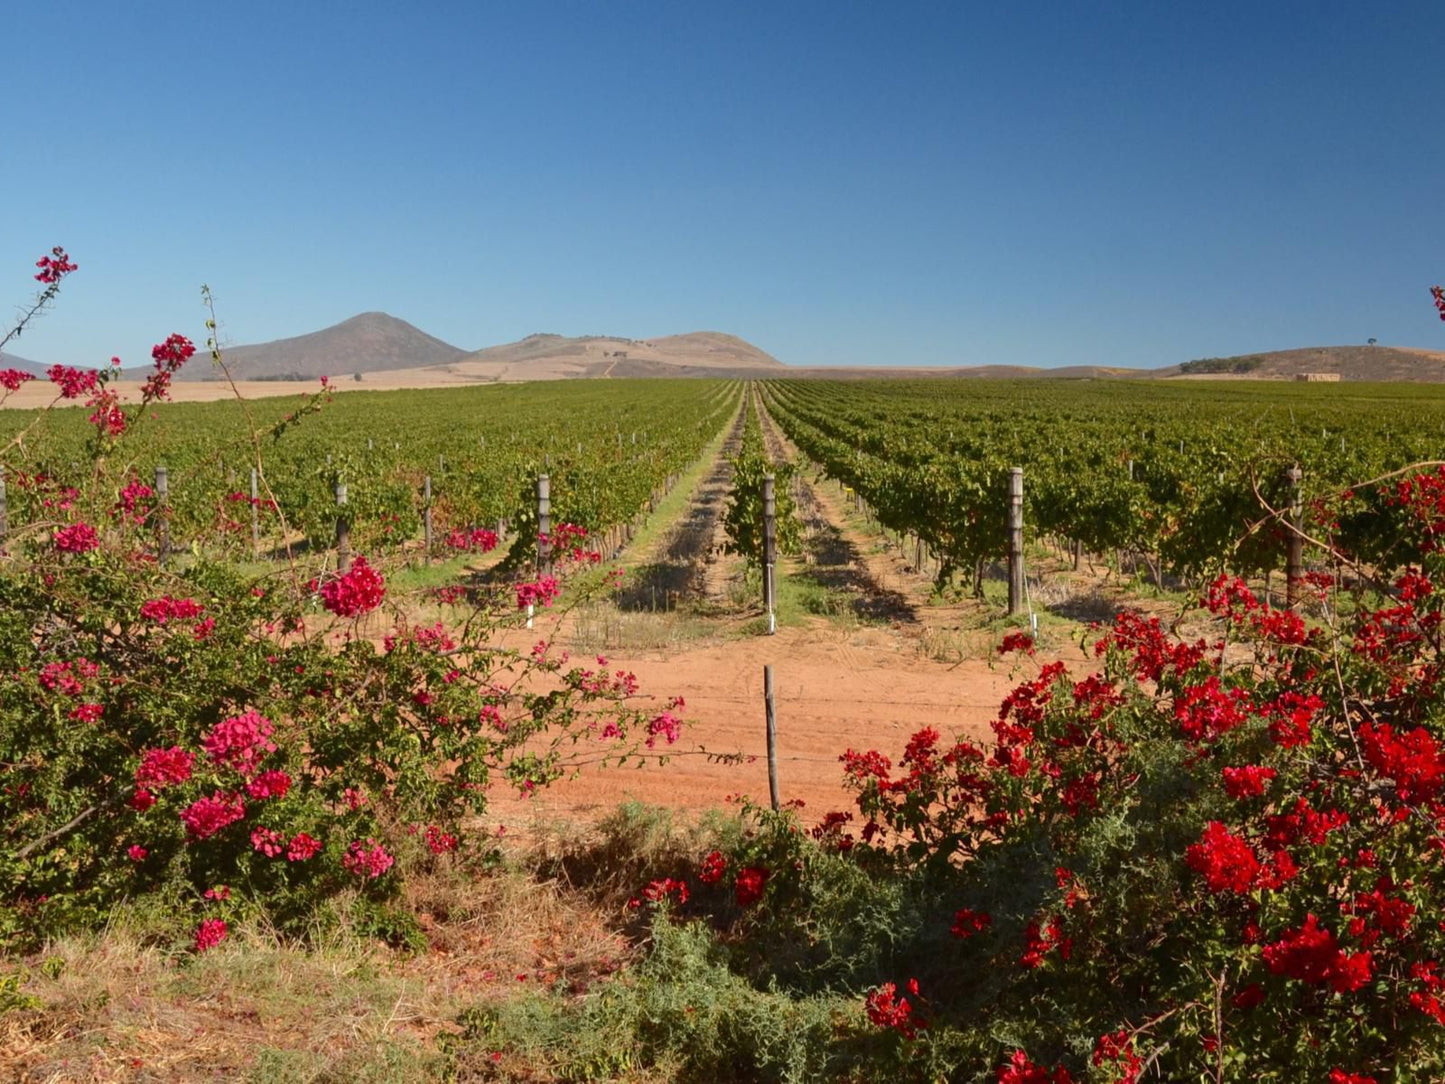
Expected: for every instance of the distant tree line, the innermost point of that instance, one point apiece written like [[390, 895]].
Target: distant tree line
[[1247, 364]]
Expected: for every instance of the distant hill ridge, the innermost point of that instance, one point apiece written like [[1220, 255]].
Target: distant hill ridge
[[11, 361], [1389, 363], [367, 343], [376, 342]]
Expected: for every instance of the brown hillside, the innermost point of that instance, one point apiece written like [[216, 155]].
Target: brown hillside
[[552, 357], [367, 343], [1392, 363], [25, 365]]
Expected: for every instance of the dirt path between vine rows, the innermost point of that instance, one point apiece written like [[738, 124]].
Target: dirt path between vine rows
[[684, 565], [835, 689]]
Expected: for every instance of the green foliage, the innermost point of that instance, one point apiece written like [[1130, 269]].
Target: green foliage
[[1234, 366], [743, 518], [682, 1009]]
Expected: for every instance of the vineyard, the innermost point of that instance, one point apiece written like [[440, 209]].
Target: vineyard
[[1197, 840], [1183, 474], [607, 450]]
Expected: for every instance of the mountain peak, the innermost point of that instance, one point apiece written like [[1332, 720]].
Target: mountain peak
[[364, 343]]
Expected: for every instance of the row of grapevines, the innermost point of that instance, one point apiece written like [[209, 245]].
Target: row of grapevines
[[1186, 472], [606, 446]]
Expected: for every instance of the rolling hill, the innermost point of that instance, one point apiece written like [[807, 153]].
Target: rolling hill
[[11, 361], [1391, 363], [368, 343]]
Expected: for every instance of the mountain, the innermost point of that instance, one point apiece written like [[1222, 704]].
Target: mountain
[[10, 361], [367, 343], [551, 357], [1395, 363]]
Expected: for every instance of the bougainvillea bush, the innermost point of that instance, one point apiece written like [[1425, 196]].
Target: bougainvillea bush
[[1211, 858], [232, 744]]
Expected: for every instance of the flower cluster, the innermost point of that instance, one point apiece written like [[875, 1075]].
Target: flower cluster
[[714, 866], [163, 767], [210, 933], [165, 609], [438, 841], [539, 592], [666, 725], [360, 589], [749, 885], [367, 859], [168, 358], [72, 382], [54, 267], [77, 538], [11, 379], [887, 1010], [665, 889], [240, 742], [205, 817], [476, 540]]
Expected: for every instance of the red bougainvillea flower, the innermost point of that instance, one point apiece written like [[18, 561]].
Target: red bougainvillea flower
[[54, 267], [1017, 641], [1020, 1070], [713, 868], [210, 933], [887, 1010], [240, 742], [205, 817], [302, 847], [136, 853], [168, 356], [273, 784], [1339, 1076], [657, 891], [1247, 782], [267, 841], [1438, 294], [1117, 1051], [77, 538], [1311, 954], [164, 609], [72, 382], [967, 922], [749, 885], [357, 591], [1411, 759], [438, 841], [540, 592], [666, 725], [162, 767], [1226, 862], [367, 859], [11, 379]]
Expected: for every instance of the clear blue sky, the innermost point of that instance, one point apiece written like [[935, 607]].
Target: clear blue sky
[[881, 183]]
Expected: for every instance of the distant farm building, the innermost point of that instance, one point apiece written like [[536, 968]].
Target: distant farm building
[[1318, 378]]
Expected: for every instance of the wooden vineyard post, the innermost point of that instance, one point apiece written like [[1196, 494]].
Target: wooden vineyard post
[[1294, 545], [426, 518], [1015, 539], [544, 529], [770, 546], [772, 716], [4, 508], [343, 530], [544, 524], [163, 527], [255, 513]]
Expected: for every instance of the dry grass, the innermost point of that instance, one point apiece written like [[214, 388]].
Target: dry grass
[[118, 1007]]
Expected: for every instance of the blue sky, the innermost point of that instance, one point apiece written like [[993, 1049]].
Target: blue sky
[[887, 184]]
